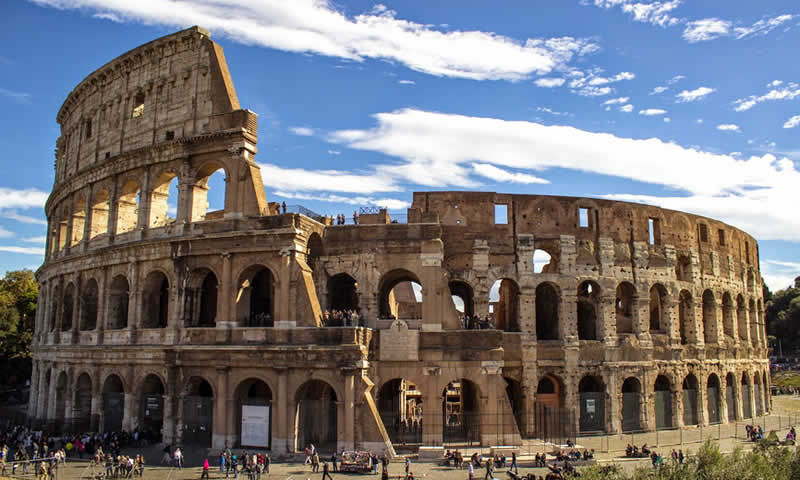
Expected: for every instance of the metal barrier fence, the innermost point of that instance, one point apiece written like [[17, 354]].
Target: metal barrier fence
[[25, 468]]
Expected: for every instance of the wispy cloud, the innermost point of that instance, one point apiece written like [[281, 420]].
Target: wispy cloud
[[500, 175], [792, 122], [302, 131], [406, 82], [614, 101], [652, 111], [551, 111], [592, 84], [5, 233], [728, 127], [658, 90], [654, 13], [549, 82], [762, 27], [712, 28], [626, 108], [317, 27], [790, 92], [27, 198], [19, 97], [14, 215], [389, 203], [41, 239], [694, 95], [23, 250]]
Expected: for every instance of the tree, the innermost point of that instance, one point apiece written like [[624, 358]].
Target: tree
[[783, 315], [18, 295]]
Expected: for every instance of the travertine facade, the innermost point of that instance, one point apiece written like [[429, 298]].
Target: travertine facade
[[644, 318]]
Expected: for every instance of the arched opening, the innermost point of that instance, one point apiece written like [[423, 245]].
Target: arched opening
[[631, 404], [690, 400], [515, 400], [152, 408], [315, 250], [164, 200], [547, 301], [208, 193], [155, 301], [544, 262], [504, 308], [342, 299], [315, 417], [67, 311], [254, 414], [713, 402], [727, 315], [624, 307], [747, 409], [62, 230], [741, 317], [201, 300], [61, 402], [588, 301], [118, 304], [44, 392], [663, 402], [730, 396], [82, 404], [255, 305], [753, 324], [198, 413], [463, 300], [683, 268], [400, 296], [55, 301], [89, 305], [78, 220], [100, 206], [658, 303], [592, 394], [686, 317], [759, 395], [709, 317], [113, 404], [461, 420], [400, 407], [553, 422], [128, 207]]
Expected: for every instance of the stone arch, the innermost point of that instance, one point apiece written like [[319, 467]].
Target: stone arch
[[78, 220], [254, 395], [545, 260], [113, 403], [624, 307], [516, 400], [741, 317], [55, 303], [200, 204], [727, 315], [89, 303], [709, 317], [255, 298], [592, 393], [506, 308], [686, 317], [547, 318], [151, 414], [462, 295], [631, 404], [662, 389], [160, 205], [400, 406], [658, 308], [690, 397], [315, 249], [101, 204], [198, 411], [82, 403], [461, 415], [201, 299], [400, 303], [316, 416], [747, 405], [155, 300], [118, 303], [713, 399], [67, 311], [588, 311], [730, 396], [342, 296], [128, 206], [683, 268]]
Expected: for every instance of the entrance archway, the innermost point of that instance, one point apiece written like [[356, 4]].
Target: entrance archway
[[400, 407], [342, 294], [113, 404], [198, 413], [730, 396], [588, 296], [631, 404], [506, 306], [83, 404], [155, 301], [67, 309], [118, 304], [663, 400], [151, 413], [553, 422], [61, 402], [690, 400], [461, 293], [255, 300], [315, 416], [747, 407], [461, 420], [400, 295], [592, 393], [547, 301], [253, 412], [713, 399], [515, 400]]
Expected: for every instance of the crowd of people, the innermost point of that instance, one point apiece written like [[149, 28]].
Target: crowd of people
[[343, 318], [253, 465], [475, 322], [754, 433], [341, 219]]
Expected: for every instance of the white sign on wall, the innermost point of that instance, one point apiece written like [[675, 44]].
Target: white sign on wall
[[255, 425]]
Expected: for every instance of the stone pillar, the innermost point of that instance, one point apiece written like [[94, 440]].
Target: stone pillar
[[282, 311], [613, 411], [102, 306], [170, 411], [568, 317], [226, 294], [219, 434], [143, 215], [702, 398], [606, 314], [68, 242], [431, 422], [283, 434], [77, 309], [347, 440], [723, 398], [697, 321], [69, 395], [51, 395], [34, 394], [672, 316], [134, 299], [435, 290], [677, 403], [641, 320], [113, 208], [41, 394], [87, 215]]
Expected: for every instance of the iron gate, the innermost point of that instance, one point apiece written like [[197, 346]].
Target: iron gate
[[759, 411], [113, 411], [730, 400], [554, 424], [747, 410], [690, 407], [198, 413], [593, 412], [713, 404], [630, 412], [461, 428], [663, 400]]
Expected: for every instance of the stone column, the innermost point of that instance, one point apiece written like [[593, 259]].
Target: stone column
[[723, 398], [170, 397], [568, 317], [34, 394], [283, 433], [226, 295], [606, 313], [702, 398], [613, 411], [69, 395], [41, 394], [348, 440], [113, 204], [77, 309], [134, 299], [282, 319], [219, 433], [87, 222], [143, 217], [51, 395], [641, 320], [102, 306]]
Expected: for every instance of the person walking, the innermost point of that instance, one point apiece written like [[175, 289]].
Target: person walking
[[205, 470], [333, 462], [489, 470], [471, 471], [315, 462], [325, 471], [514, 463]]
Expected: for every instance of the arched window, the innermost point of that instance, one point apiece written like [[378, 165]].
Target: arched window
[[663, 401], [690, 400], [118, 304], [547, 302], [128, 207], [100, 207], [400, 296], [741, 317], [78, 220], [209, 192], [713, 398], [113, 404], [462, 296], [67, 311], [253, 402], [155, 301], [201, 299], [89, 305], [686, 317], [588, 299], [544, 262], [592, 404], [709, 317], [631, 404], [255, 299], [504, 307], [164, 200], [727, 315], [342, 298], [658, 314], [400, 407], [316, 416]]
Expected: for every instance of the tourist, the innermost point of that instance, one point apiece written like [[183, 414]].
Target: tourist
[[325, 471], [205, 470], [333, 461], [471, 471], [514, 462]]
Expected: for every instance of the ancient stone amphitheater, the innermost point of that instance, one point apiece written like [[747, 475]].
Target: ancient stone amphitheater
[[209, 327]]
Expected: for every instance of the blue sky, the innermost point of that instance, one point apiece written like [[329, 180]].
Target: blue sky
[[684, 104]]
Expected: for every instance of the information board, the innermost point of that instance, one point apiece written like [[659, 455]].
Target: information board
[[255, 426]]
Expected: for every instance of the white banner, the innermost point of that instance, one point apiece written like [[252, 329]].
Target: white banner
[[255, 426]]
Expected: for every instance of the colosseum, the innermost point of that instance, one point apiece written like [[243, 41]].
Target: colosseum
[[253, 326]]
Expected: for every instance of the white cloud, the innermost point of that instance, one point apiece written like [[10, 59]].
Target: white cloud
[[699, 121], [693, 95], [728, 127], [500, 175], [706, 29], [41, 239], [654, 13], [667, 120], [302, 131], [13, 215], [775, 83], [789, 93], [792, 122], [549, 82], [298, 179], [5, 233], [389, 203], [652, 111], [23, 250], [20, 97], [108, 16], [626, 108], [317, 27], [334, 152], [675, 79], [551, 111], [28, 198], [658, 90], [588, 84], [614, 101], [762, 27], [406, 82], [779, 274], [616, 78]]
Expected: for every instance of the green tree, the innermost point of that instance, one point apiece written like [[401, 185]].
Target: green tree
[[18, 295], [783, 315]]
